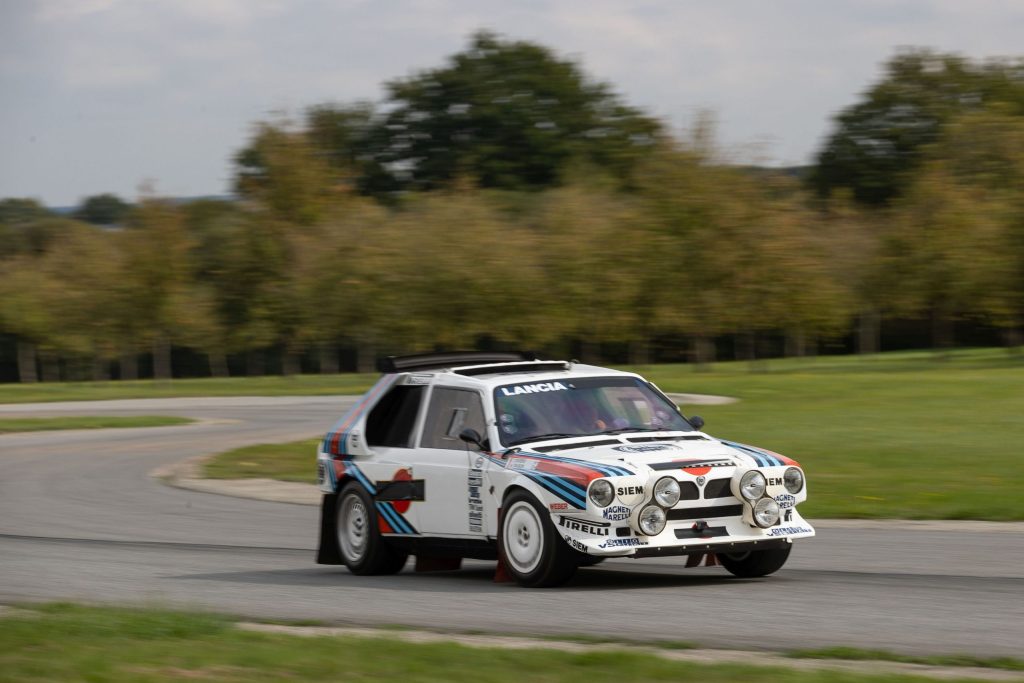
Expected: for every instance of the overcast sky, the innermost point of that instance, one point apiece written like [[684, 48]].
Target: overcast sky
[[102, 95]]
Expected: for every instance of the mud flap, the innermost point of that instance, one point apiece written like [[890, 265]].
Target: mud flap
[[327, 551], [693, 561]]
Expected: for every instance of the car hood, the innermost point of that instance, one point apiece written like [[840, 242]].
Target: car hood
[[655, 453]]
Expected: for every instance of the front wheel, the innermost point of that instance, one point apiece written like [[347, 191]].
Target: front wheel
[[756, 562], [363, 550], [534, 554]]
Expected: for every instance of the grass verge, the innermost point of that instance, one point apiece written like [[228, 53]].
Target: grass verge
[[297, 385], [858, 654], [69, 642], [44, 424], [294, 461]]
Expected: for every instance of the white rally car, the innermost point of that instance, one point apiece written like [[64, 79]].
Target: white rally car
[[545, 466]]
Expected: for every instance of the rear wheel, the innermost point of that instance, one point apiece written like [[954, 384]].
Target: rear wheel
[[756, 562], [534, 554], [363, 550]]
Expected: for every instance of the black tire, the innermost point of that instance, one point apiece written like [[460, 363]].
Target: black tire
[[363, 550], [756, 562], [534, 554]]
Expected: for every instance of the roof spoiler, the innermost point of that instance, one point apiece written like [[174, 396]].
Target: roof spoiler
[[448, 359]]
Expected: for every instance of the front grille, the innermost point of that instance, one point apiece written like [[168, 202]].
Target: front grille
[[688, 491], [718, 488], [705, 512]]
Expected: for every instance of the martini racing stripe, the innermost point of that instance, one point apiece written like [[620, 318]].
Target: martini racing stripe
[[398, 523], [335, 440], [605, 469], [567, 490], [763, 459]]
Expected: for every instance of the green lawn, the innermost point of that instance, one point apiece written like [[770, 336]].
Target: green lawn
[[898, 435], [295, 461], [43, 424], [891, 435], [73, 643]]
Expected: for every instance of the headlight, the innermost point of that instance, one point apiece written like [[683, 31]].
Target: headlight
[[652, 520], [794, 480], [752, 485], [666, 492], [602, 493], [766, 512]]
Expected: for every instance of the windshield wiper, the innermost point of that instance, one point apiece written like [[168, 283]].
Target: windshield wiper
[[635, 429], [541, 437]]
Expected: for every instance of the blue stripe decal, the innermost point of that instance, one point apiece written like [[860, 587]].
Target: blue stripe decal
[[558, 487], [360, 477], [394, 519], [764, 459], [607, 470]]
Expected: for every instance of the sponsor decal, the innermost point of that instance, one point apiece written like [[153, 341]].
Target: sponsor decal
[[418, 379], [647, 448], [621, 543], [474, 484], [584, 526], [577, 545], [785, 500], [787, 530], [539, 387], [321, 472], [558, 506], [774, 481], [522, 464], [629, 491], [616, 513]]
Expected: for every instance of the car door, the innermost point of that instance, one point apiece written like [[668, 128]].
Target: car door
[[452, 470], [384, 461]]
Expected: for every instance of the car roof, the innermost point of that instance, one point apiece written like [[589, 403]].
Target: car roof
[[489, 375]]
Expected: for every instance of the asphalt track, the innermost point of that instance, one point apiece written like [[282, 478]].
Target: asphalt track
[[81, 519]]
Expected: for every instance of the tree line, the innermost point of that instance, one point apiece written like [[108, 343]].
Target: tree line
[[505, 199]]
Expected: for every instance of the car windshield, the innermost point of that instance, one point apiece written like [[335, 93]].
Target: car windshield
[[532, 411]]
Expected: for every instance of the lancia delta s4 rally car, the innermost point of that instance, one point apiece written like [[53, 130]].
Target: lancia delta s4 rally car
[[545, 466]]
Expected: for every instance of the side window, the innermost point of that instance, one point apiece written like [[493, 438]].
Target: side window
[[391, 421], [451, 411]]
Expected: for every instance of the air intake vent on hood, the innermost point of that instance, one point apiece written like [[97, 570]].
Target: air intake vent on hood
[[688, 437], [576, 444]]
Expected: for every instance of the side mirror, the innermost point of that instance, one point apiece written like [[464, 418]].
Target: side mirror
[[470, 435], [697, 421]]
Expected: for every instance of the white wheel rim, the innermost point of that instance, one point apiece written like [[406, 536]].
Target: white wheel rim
[[523, 537], [353, 528]]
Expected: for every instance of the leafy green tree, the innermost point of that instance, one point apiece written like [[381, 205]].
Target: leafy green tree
[[510, 114], [27, 226], [156, 249], [979, 160], [103, 209], [878, 143], [282, 171]]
